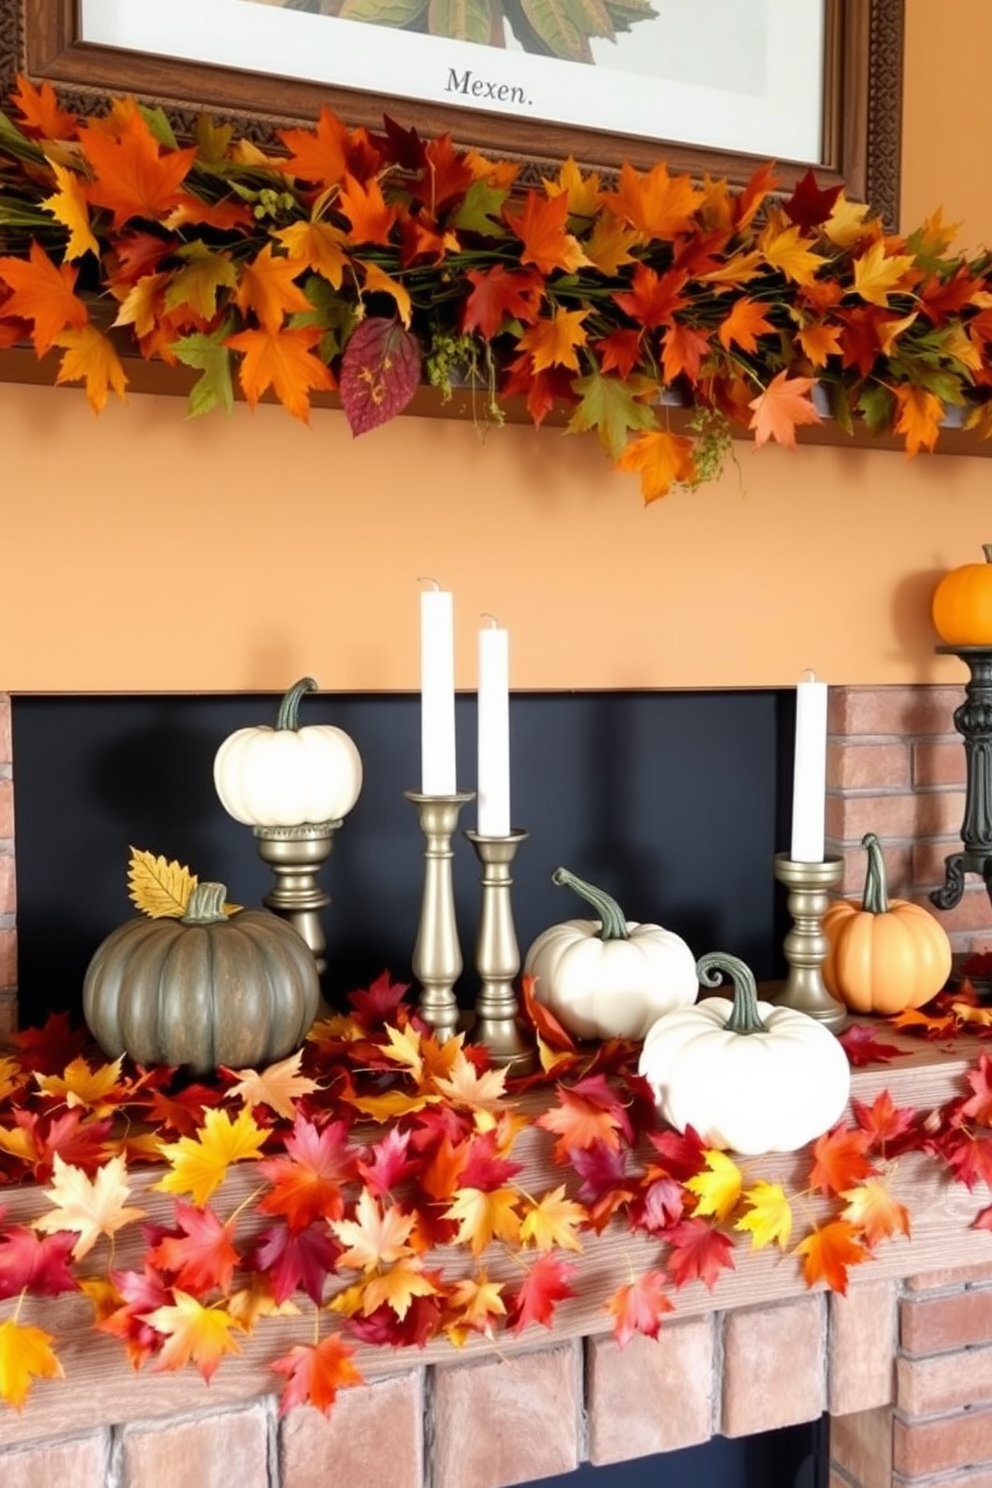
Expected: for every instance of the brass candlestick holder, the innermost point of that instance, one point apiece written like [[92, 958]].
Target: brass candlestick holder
[[296, 855], [806, 946], [497, 959], [437, 957]]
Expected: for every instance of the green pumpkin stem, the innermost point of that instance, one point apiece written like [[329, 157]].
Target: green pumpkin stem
[[712, 969], [876, 895], [987, 550], [206, 904], [289, 709], [612, 920]]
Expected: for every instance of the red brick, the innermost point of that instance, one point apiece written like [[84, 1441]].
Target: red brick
[[506, 1421], [6, 809], [861, 1446], [928, 1325], [370, 1425], [8, 959], [654, 1395], [961, 1440], [8, 1013], [859, 711], [943, 1383], [6, 749], [772, 1366], [957, 1277], [8, 883], [982, 1478], [929, 861], [83, 1462], [862, 1339], [868, 766], [215, 1451], [930, 814], [973, 911], [938, 762]]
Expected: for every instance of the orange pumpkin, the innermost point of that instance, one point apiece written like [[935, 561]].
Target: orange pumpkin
[[885, 954], [962, 604]]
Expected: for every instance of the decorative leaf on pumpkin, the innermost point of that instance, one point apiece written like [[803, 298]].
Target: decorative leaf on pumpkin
[[380, 372], [158, 888]]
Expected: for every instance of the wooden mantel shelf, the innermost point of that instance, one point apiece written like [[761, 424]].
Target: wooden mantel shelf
[[20, 364], [100, 1388]]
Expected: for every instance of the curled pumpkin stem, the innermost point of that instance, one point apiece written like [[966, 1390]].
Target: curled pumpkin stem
[[876, 895], [711, 970], [612, 920], [288, 716]]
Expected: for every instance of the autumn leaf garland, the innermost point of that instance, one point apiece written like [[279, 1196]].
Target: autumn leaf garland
[[355, 260]]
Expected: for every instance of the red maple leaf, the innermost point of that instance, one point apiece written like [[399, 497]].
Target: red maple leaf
[[891, 1128], [605, 1186], [307, 1182], [387, 1164], [375, 1006], [861, 1046], [809, 206], [382, 1328], [683, 1155], [197, 1254], [620, 351], [698, 1253], [659, 1204], [315, 1373], [839, 1160], [499, 294], [141, 1293], [183, 1111], [48, 1049], [78, 1142], [969, 1158], [978, 1107], [653, 298], [301, 1260], [639, 1307], [30, 1263], [548, 1282]]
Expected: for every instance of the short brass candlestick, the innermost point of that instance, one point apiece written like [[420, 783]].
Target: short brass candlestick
[[497, 959], [806, 946], [437, 956], [296, 855]]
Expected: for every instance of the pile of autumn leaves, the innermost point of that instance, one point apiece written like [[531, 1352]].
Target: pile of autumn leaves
[[350, 258], [367, 1190]]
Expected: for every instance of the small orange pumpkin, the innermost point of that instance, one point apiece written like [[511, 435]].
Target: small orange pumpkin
[[962, 604], [885, 954]]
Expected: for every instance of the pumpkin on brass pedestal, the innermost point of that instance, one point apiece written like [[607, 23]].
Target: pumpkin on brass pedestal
[[206, 990]]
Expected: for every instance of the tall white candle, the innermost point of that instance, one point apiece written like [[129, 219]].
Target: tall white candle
[[493, 782], [437, 693], [809, 779]]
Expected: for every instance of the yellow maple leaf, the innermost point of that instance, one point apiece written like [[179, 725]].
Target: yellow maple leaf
[[199, 1164], [583, 190], [785, 249], [91, 357], [391, 1105], [847, 222], [877, 274], [142, 305], [484, 1215], [376, 1237], [465, 1086], [396, 1288], [609, 244], [25, 1354], [12, 1077], [553, 1221], [69, 206], [320, 246], [770, 1215], [277, 1086], [196, 285], [718, 1186], [377, 281], [872, 1209], [553, 342], [404, 1049], [90, 1206], [80, 1085], [257, 1300], [160, 889], [194, 1334], [919, 418], [477, 1302]]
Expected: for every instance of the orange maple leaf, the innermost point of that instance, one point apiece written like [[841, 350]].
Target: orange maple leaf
[[483, 1215], [69, 206], [658, 205], [43, 294], [267, 287], [319, 246], [682, 353], [284, 361], [325, 153], [828, 1252], [580, 1123], [820, 341], [920, 414], [745, 323], [839, 1160], [26, 1353], [541, 229], [193, 1333], [366, 209], [661, 459], [553, 343], [90, 356], [315, 1373], [39, 109], [781, 408], [653, 298], [396, 1288], [872, 1210], [132, 177], [639, 1307]]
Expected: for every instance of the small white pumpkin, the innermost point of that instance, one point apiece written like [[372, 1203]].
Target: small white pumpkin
[[287, 776], [610, 977], [745, 1074]]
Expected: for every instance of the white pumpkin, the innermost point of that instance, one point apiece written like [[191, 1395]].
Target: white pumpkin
[[745, 1074], [286, 776], [611, 977]]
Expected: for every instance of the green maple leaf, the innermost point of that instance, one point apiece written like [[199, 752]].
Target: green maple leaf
[[197, 283], [610, 407], [213, 358], [480, 210]]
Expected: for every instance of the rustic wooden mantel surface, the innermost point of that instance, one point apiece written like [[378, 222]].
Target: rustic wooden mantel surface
[[100, 1388]]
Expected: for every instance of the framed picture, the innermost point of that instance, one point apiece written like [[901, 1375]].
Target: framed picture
[[707, 85]]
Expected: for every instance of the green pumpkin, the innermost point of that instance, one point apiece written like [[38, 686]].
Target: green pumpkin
[[209, 989]]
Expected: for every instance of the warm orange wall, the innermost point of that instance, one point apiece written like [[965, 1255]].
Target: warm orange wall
[[143, 552]]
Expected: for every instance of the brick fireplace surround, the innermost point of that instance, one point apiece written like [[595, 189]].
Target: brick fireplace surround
[[903, 1363]]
